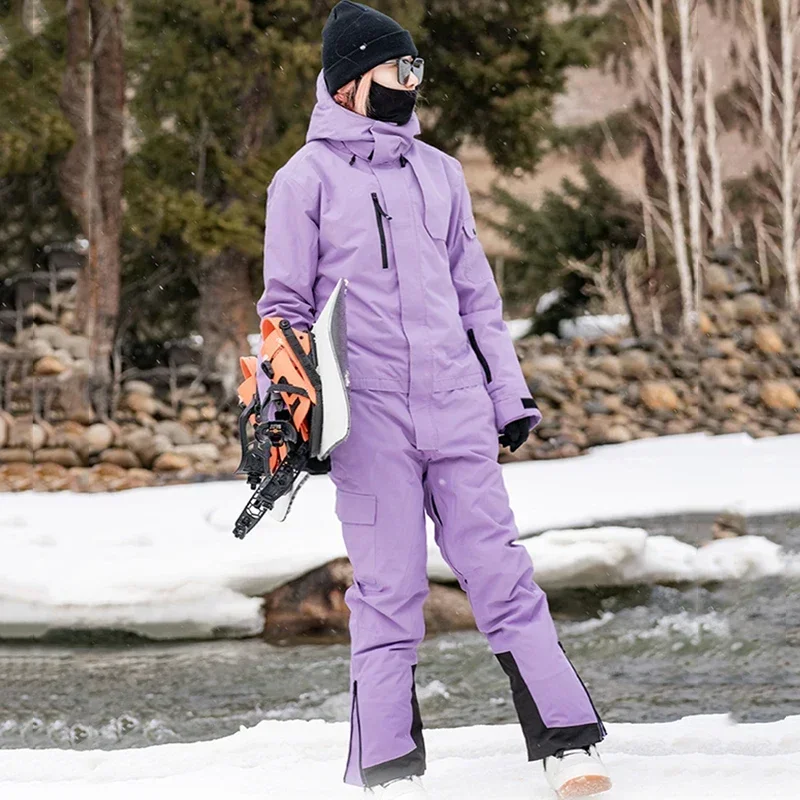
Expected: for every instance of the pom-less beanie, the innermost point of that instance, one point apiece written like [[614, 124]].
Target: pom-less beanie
[[357, 38]]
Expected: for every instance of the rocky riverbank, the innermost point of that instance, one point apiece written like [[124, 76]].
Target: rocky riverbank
[[740, 374]]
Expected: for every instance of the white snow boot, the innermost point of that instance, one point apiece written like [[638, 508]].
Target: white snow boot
[[406, 788], [577, 773]]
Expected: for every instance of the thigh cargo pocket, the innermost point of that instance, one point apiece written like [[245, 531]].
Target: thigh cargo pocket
[[356, 508], [357, 512]]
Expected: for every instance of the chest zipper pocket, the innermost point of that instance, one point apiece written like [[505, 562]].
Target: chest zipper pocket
[[380, 216], [484, 363]]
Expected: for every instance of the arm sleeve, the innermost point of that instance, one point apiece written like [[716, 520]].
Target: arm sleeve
[[481, 310], [291, 255]]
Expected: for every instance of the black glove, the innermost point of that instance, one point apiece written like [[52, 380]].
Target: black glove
[[316, 466], [515, 434]]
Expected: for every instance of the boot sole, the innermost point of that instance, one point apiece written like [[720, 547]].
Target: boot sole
[[584, 786]]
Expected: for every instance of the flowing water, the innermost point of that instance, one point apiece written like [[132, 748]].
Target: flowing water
[[647, 655]]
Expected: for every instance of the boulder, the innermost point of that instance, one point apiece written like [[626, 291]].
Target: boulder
[[189, 415], [750, 308], [313, 606], [96, 438], [6, 421], [120, 457], [62, 456], [18, 476], [172, 462], [717, 280], [50, 477], [138, 478], [199, 452], [594, 379], [139, 387], [78, 347], [635, 364], [659, 396], [768, 340], [49, 365], [68, 434], [141, 403], [600, 430], [12, 455], [176, 432], [778, 395]]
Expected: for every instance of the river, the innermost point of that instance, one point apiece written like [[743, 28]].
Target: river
[[646, 654]]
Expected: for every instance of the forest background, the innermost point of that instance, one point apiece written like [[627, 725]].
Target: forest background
[[619, 152]]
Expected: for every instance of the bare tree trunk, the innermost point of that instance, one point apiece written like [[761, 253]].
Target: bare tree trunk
[[670, 173], [789, 147], [687, 21], [762, 49], [712, 150], [652, 283], [93, 99], [761, 248], [226, 316], [76, 174]]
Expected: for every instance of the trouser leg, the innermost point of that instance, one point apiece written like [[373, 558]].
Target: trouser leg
[[476, 533], [379, 501]]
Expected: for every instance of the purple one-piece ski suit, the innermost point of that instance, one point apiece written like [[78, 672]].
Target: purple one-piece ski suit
[[434, 379]]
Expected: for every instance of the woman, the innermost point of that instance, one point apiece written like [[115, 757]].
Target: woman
[[434, 379]]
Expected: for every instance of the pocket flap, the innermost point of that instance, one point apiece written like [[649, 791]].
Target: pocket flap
[[355, 507], [468, 224], [437, 218]]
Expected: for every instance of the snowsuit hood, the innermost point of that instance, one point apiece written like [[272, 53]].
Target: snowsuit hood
[[357, 134]]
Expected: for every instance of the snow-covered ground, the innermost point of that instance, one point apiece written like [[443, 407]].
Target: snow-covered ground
[[163, 561], [696, 758]]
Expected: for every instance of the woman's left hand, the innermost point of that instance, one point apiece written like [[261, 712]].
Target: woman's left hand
[[515, 433]]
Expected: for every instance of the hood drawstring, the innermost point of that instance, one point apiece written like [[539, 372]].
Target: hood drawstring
[[353, 160], [403, 161]]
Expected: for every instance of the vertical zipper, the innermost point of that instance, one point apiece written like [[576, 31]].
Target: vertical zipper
[[355, 727], [380, 215], [484, 363]]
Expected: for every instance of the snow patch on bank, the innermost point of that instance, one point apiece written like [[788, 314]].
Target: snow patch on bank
[[709, 757], [615, 556], [163, 562]]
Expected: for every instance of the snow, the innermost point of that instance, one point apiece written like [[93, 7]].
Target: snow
[[628, 556], [701, 757], [593, 327], [519, 327], [163, 562]]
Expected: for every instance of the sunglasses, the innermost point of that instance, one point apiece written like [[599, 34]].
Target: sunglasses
[[406, 68]]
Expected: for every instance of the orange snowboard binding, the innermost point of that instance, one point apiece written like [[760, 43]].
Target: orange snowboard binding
[[309, 404]]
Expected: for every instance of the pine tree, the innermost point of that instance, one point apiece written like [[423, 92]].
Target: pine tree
[[577, 224]]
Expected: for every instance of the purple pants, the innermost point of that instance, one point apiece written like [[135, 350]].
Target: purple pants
[[384, 486]]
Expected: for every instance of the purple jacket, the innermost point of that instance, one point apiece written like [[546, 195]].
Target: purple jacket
[[364, 200]]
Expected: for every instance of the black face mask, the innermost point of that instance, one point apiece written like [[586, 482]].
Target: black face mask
[[391, 105]]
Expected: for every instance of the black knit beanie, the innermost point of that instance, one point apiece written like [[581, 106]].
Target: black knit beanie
[[357, 38]]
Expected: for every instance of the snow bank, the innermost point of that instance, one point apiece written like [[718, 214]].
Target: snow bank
[[593, 327], [708, 757], [628, 557], [163, 561]]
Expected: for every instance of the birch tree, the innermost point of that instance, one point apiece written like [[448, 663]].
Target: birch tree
[[774, 82], [650, 22], [715, 192], [687, 24]]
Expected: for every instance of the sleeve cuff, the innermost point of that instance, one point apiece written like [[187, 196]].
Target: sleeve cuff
[[507, 409]]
